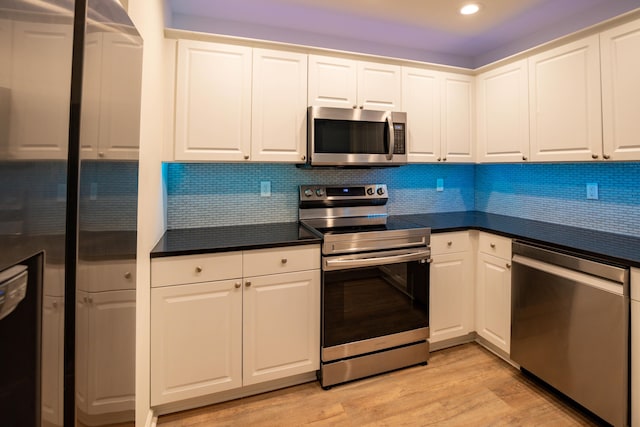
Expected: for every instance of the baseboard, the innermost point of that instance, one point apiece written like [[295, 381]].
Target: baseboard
[[497, 351], [451, 342], [152, 419]]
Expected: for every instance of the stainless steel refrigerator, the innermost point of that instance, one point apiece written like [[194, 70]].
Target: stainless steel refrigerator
[[70, 76]]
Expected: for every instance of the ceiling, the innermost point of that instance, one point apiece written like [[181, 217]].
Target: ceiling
[[425, 30]]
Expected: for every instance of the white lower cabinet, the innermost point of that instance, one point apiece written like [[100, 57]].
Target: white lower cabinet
[[493, 291], [52, 357], [246, 329], [635, 347], [452, 285]]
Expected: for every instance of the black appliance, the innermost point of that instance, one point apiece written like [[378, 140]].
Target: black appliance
[[375, 282], [70, 79]]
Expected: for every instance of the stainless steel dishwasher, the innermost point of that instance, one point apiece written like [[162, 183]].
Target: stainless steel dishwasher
[[570, 327]]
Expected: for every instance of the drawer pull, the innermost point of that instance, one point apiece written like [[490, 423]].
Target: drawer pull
[[283, 260], [449, 243], [237, 285], [198, 269], [127, 275], [493, 245], [508, 265], [247, 284]]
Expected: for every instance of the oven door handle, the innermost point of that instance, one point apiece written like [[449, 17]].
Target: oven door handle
[[344, 263]]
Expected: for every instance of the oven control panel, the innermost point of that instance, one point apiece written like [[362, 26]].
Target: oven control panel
[[343, 192]]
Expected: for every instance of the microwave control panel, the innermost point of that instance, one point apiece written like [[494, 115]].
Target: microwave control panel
[[398, 134]]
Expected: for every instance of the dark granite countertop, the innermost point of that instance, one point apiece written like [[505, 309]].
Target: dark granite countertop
[[189, 241], [616, 248]]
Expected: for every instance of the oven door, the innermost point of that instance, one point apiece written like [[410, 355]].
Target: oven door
[[373, 302]]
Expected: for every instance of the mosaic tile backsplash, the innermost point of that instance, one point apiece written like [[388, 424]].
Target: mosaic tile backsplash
[[208, 194], [215, 194]]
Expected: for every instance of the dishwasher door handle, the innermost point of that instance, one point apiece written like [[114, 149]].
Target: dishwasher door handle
[[576, 276]]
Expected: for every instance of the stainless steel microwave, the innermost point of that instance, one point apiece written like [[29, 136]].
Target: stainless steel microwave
[[354, 137]]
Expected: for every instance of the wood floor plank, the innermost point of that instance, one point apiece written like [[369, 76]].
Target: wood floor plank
[[461, 386]]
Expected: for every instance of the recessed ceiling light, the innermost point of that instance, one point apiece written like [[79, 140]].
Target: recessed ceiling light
[[469, 9]]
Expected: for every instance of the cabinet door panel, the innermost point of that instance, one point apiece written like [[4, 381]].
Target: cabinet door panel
[[421, 102], [279, 119], [332, 82], [565, 113], [213, 101], [494, 301], [196, 344], [281, 326], [379, 86], [620, 57], [457, 118], [503, 114]]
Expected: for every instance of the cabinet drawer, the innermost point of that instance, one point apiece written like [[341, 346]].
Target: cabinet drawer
[[281, 260], [195, 268], [450, 242], [111, 275], [495, 245]]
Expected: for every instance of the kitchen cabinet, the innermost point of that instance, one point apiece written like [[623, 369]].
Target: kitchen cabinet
[[439, 109], [41, 45], [452, 285], [107, 275], [105, 386], [635, 347], [107, 122], [251, 317], [620, 68], [279, 106], [213, 101], [52, 357], [503, 113], [565, 103], [346, 83], [493, 298]]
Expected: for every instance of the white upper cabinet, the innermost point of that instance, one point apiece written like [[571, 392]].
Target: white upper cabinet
[[110, 127], [421, 102], [345, 83], [620, 56], [213, 102], [503, 113], [457, 119], [565, 113], [39, 103], [279, 119]]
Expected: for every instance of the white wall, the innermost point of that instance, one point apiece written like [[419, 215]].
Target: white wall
[[149, 18]]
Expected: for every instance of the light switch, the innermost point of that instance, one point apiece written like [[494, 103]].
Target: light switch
[[592, 191], [439, 184], [265, 189]]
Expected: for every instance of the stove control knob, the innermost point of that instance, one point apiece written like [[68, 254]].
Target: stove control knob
[[308, 192], [370, 191], [319, 192], [380, 191]]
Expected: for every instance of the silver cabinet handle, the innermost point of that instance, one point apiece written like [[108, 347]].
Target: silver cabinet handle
[[237, 285], [246, 157], [524, 157], [283, 260], [127, 275], [594, 156], [606, 156], [247, 284], [303, 158], [355, 106], [449, 243], [444, 159], [493, 245], [198, 269], [508, 265], [55, 304]]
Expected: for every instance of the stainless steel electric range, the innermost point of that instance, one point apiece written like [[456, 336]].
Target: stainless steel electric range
[[375, 282]]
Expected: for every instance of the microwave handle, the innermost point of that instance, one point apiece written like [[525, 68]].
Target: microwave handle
[[392, 141]]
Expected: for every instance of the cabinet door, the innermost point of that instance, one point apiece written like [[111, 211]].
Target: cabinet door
[[565, 109], [493, 301], [279, 118], [635, 347], [451, 301], [91, 92], [52, 357], [196, 340], [503, 114], [332, 82], [421, 102], [620, 55], [108, 344], [281, 322], [457, 118], [40, 101], [213, 102], [121, 80], [379, 86]]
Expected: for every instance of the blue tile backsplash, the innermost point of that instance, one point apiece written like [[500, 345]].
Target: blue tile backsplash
[[214, 194]]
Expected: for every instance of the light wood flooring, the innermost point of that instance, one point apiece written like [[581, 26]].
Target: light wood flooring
[[462, 386]]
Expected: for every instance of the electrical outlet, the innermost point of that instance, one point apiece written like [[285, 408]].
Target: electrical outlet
[[439, 184], [62, 193], [265, 188], [592, 191], [93, 191]]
